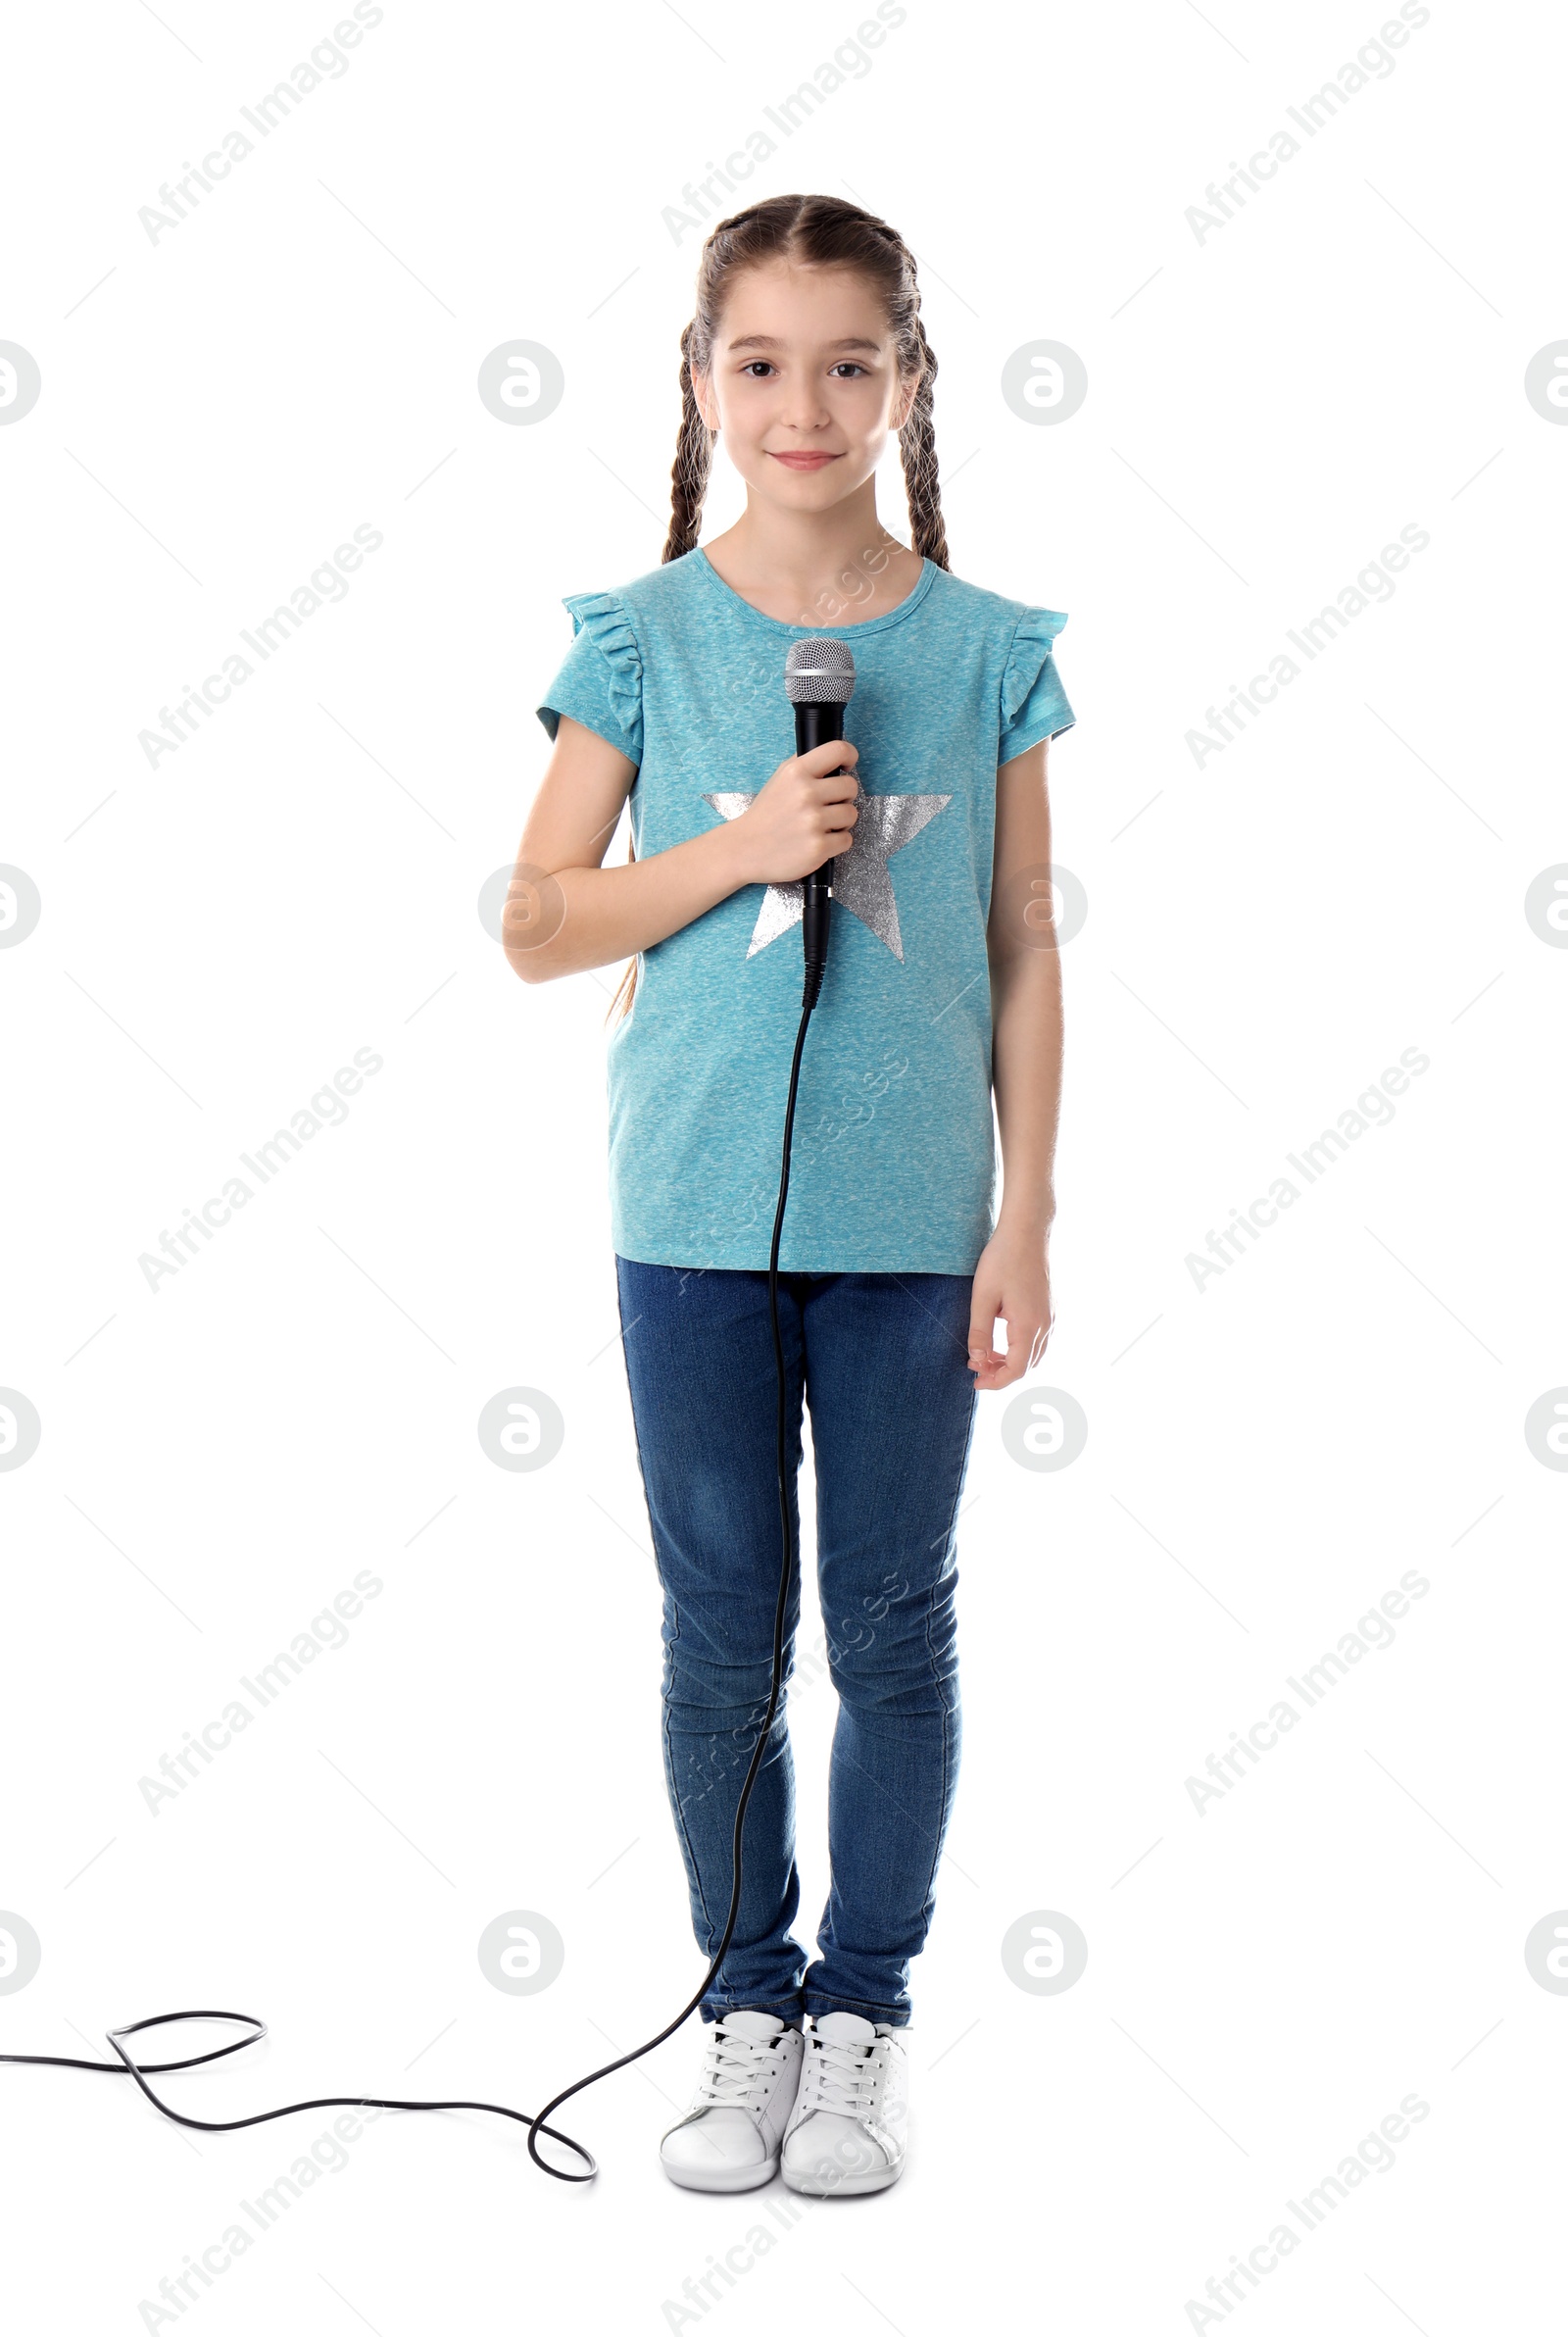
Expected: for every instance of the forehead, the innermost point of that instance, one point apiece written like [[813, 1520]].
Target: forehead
[[784, 305]]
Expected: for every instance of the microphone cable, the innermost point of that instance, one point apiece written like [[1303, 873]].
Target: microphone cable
[[125, 2065]]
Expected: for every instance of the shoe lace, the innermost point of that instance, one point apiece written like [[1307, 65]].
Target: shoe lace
[[841, 2078], [731, 2068]]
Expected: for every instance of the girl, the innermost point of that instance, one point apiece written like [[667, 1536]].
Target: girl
[[804, 351]]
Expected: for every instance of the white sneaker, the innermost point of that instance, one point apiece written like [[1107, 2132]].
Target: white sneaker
[[729, 2139], [847, 2130]]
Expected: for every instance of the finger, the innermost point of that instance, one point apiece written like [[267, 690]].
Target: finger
[[829, 755], [1022, 1352], [1019, 1354]]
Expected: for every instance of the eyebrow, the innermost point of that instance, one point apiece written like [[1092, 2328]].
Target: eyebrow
[[765, 341]]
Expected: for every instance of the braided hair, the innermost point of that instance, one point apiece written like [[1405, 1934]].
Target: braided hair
[[816, 230]]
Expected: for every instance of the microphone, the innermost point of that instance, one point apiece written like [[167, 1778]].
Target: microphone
[[819, 682]]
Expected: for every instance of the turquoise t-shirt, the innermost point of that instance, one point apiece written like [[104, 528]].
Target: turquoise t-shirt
[[894, 1165]]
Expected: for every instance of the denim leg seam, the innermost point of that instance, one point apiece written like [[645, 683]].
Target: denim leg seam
[[939, 1829], [679, 1799], [677, 1796], [946, 1713]]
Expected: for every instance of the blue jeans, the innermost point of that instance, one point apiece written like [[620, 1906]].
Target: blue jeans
[[882, 1362]]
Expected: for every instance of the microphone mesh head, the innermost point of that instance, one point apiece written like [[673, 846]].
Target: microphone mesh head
[[818, 673]]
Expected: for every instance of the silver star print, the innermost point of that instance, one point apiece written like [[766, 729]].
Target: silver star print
[[860, 879]]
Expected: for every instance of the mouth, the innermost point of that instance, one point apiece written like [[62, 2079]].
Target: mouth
[[816, 462]]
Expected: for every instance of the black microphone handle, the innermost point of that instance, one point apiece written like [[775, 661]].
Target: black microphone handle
[[815, 725]]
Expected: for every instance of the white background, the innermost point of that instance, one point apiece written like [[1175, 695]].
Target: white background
[[1266, 1456]]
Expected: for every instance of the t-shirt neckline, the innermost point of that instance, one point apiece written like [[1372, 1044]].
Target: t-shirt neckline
[[861, 625]]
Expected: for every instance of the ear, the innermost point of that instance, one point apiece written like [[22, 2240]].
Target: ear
[[906, 401], [701, 390]]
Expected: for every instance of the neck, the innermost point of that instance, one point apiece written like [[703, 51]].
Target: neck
[[841, 554]]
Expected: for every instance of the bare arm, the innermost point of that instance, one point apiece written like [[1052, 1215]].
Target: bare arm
[[1013, 1277], [566, 912]]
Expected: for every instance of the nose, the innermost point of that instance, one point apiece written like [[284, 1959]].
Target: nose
[[805, 407]]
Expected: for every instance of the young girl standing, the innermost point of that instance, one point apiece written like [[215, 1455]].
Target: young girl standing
[[804, 351]]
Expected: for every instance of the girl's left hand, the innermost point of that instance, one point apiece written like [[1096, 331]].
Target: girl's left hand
[[1014, 1281]]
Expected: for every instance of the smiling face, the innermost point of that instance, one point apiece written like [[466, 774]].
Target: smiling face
[[804, 383]]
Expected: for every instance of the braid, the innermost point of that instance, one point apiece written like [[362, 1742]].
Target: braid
[[694, 459], [917, 451]]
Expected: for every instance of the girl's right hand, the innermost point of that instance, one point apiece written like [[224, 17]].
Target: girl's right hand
[[804, 815]]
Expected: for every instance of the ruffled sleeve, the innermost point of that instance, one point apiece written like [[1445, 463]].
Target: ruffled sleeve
[[1034, 704], [600, 679]]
